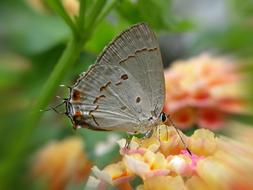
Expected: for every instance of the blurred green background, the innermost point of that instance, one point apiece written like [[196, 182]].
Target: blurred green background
[[34, 61]]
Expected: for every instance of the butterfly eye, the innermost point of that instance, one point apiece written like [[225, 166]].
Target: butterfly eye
[[163, 117]]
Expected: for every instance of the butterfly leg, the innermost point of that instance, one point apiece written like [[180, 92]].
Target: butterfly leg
[[173, 125], [147, 135], [128, 141], [167, 132]]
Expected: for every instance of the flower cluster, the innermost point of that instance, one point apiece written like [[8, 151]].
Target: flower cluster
[[61, 163], [162, 162], [203, 91]]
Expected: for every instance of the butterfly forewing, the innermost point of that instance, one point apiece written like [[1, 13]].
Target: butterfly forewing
[[149, 76], [127, 43], [125, 85], [147, 68]]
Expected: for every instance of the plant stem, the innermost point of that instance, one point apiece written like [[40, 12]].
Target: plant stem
[[19, 143], [96, 10], [105, 12], [18, 146], [81, 16], [56, 5]]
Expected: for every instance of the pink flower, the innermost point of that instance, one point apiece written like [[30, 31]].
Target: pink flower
[[163, 163], [203, 91]]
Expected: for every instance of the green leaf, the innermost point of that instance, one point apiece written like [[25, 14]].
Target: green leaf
[[156, 13], [32, 33], [242, 118], [129, 11], [12, 67], [98, 41], [92, 138]]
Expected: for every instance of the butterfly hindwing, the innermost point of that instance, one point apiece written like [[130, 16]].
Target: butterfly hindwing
[[106, 99]]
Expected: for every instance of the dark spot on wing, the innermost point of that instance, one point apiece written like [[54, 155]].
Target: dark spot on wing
[[105, 86], [98, 98], [118, 83], [123, 108], [90, 112], [124, 77], [137, 51], [94, 120], [79, 120], [78, 114], [138, 99], [92, 116], [76, 95], [123, 60], [153, 113]]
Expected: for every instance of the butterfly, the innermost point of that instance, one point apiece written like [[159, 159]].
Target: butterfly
[[125, 89]]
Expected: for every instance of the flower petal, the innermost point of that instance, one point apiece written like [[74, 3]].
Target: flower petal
[[202, 142], [210, 118], [93, 183], [164, 183], [102, 175], [184, 118], [137, 167], [178, 165]]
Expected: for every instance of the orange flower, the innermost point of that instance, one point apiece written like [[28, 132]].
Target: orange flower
[[163, 163], [61, 163], [203, 90]]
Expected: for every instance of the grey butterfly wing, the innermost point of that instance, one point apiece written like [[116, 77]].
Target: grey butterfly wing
[[137, 51], [106, 100], [125, 86]]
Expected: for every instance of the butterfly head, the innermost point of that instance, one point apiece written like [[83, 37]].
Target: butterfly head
[[163, 117], [68, 107]]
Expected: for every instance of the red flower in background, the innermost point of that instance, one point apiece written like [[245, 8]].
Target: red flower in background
[[203, 91]]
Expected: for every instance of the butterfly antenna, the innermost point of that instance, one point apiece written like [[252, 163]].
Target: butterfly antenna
[[66, 86], [54, 108], [186, 147], [63, 99]]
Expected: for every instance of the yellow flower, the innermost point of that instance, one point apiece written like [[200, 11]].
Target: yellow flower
[[203, 90], [70, 6], [162, 162], [165, 183], [61, 163], [203, 146]]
